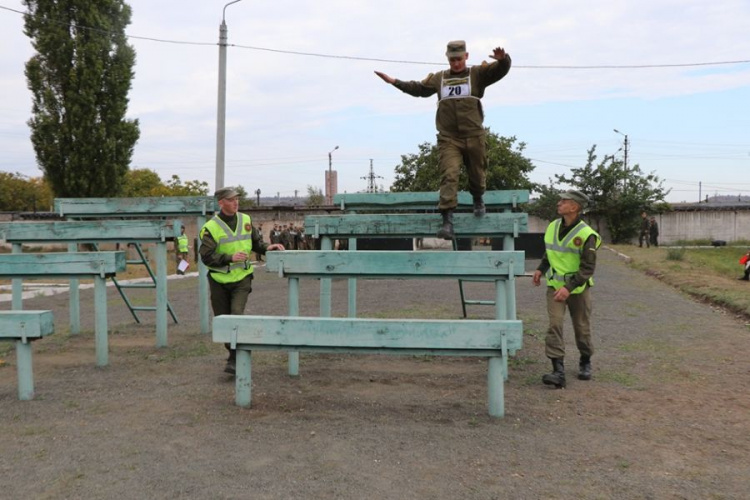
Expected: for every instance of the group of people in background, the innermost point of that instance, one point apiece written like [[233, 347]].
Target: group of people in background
[[292, 237], [649, 231]]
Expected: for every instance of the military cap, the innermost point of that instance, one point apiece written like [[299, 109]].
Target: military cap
[[456, 48], [225, 193], [576, 196]]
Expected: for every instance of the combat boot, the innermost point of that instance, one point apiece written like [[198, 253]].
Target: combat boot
[[446, 231], [557, 377], [584, 368], [231, 366], [479, 208]]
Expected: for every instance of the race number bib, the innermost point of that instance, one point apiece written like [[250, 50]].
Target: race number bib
[[455, 88]]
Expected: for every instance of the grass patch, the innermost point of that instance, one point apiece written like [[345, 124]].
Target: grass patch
[[709, 274], [6, 348], [675, 253]]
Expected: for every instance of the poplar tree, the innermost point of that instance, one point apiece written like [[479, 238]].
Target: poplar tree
[[79, 78]]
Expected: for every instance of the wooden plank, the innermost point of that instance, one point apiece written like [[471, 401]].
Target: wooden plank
[[425, 200], [89, 231], [133, 207], [26, 324], [52, 265], [413, 225], [396, 264], [362, 333]]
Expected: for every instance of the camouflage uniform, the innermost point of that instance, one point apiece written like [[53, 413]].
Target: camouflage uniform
[[459, 121]]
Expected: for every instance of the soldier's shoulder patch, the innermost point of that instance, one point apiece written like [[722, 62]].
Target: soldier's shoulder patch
[[577, 241]]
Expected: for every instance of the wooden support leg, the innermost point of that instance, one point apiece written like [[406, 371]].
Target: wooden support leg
[[293, 311], [352, 284], [501, 305], [25, 371], [325, 283], [243, 378], [74, 299], [100, 321], [161, 295], [495, 389], [16, 284]]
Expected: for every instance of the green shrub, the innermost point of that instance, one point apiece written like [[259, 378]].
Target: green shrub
[[677, 253]]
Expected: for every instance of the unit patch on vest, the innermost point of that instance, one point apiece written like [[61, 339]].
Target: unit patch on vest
[[455, 88], [248, 227], [577, 241]]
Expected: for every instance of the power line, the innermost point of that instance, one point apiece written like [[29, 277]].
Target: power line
[[396, 61]]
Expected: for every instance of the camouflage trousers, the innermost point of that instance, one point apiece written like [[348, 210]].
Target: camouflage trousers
[[580, 314], [471, 152], [230, 298]]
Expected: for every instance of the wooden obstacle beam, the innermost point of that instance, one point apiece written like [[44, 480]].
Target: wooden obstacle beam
[[490, 339], [74, 233], [23, 327], [200, 207], [96, 265]]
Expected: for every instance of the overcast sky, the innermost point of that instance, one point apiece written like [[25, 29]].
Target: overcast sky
[[286, 111]]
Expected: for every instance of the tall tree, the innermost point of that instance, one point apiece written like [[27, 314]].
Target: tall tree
[[79, 78], [507, 168], [618, 194]]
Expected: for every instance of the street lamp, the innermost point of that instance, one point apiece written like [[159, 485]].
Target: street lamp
[[330, 176], [221, 113], [626, 147]]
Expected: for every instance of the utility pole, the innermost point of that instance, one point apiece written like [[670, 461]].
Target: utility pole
[[257, 196], [330, 183], [221, 112]]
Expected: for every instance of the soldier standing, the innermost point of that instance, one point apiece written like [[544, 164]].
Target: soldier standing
[[227, 240], [459, 119], [568, 265], [643, 235], [653, 232]]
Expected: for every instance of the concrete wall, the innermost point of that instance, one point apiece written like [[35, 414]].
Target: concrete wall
[[727, 225]]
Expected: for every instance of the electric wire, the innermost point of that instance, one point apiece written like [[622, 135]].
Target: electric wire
[[397, 61]]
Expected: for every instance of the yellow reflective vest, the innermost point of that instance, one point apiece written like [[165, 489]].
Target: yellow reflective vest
[[564, 255], [182, 244], [229, 243]]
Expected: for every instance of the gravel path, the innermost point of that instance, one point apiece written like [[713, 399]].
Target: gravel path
[[666, 415]]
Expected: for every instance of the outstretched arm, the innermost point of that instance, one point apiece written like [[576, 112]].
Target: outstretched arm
[[386, 78], [425, 88]]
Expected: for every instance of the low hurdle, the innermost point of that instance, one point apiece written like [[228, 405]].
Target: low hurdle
[[96, 265]]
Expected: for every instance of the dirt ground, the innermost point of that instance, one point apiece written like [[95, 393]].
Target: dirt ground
[[665, 417]]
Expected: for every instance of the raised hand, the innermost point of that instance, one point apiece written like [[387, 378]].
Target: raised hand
[[498, 53]]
